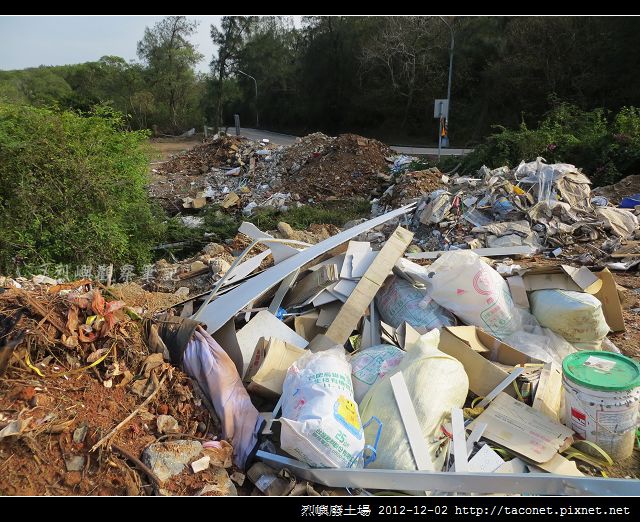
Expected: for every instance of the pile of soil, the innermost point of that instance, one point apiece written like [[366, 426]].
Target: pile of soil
[[80, 370], [350, 167]]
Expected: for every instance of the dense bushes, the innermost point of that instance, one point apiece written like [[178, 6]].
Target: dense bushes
[[607, 147], [72, 190]]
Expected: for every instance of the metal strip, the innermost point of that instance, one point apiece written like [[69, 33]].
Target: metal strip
[[284, 287], [475, 436], [459, 444], [400, 480]]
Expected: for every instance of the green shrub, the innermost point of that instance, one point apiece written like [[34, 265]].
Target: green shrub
[[72, 189], [606, 148]]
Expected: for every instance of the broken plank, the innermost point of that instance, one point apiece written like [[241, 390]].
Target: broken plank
[[366, 289]]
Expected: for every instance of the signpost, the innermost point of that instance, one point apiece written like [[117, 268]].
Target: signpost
[[441, 111]]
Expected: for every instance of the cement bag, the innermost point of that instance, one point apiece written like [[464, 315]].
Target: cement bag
[[576, 316], [370, 365], [437, 382], [320, 421], [399, 301], [475, 292]]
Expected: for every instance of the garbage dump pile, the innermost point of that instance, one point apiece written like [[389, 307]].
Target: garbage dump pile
[[433, 338], [240, 174]]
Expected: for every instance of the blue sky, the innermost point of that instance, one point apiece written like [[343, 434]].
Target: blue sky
[[30, 41]]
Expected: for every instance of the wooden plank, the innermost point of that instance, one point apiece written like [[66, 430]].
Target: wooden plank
[[366, 289]]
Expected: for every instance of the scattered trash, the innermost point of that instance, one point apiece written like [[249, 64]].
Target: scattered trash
[[201, 464], [330, 349]]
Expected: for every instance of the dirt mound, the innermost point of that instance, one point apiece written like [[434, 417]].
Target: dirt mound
[[351, 166]]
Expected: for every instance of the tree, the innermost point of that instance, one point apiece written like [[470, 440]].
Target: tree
[[406, 49], [229, 39], [170, 60]]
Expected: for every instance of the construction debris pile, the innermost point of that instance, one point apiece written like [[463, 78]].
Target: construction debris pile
[[240, 174], [359, 358], [194, 275], [524, 210]]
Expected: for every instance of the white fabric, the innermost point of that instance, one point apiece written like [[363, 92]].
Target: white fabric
[[209, 364]]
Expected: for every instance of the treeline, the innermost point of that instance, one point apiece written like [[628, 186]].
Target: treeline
[[377, 76]]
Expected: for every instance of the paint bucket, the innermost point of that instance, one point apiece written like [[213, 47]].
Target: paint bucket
[[602, 396]]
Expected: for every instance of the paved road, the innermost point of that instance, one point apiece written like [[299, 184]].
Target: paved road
[[286, 139]]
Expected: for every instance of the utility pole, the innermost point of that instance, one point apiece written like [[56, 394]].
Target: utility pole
[[256, 85], [450, 74]]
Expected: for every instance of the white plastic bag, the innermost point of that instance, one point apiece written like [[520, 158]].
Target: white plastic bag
[[320, 421], [475, 292], [436, 382], [398, 301], [576, 316], [370, 365]]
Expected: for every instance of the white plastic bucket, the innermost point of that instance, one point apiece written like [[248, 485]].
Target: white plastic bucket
[[608, 418]]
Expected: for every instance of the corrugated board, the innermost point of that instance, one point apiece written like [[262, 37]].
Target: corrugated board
[[473, 348]]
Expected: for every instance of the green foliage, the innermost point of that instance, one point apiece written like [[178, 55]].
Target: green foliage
[[328, 212], [72, 189], [606, 148]]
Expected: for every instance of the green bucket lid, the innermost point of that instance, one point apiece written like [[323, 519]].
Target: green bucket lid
[[604, 371]]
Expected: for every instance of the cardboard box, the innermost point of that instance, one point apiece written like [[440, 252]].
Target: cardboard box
[[600, 284], [269, 366], [475, 349]]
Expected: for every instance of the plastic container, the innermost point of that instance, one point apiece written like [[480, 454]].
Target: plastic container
[[630, 201], [602, 395]]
